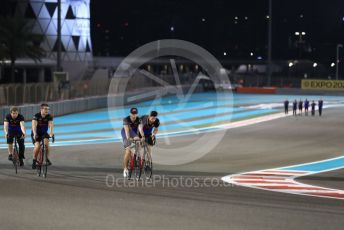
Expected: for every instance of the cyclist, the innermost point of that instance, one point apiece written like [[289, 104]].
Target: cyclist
[[132, 126], [150, 122], [14, 127], [41, 122]]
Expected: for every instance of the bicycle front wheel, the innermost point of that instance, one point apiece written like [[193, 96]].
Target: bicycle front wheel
[[39, 163], [138, 168], [45, 164], [15, 159], [148, 165], [148, 169]]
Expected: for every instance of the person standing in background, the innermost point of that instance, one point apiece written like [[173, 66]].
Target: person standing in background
[[286, 106], [294, 107], [306, 107], [320, 105], [313, 108], [300, 107]]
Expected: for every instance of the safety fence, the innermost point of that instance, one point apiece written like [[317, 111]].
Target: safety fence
[[18, 94]]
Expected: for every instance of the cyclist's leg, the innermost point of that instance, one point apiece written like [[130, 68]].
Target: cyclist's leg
[[37, 146], [149, 148], [47, 147], [150, 144], [127, 151], [21, 144], [46, 143], [127, 154], [10, 140], [36, 149]]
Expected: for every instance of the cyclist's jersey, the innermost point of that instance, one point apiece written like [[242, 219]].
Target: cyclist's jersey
[[42, 123], [14, 124], [133, 125], [147, 127]]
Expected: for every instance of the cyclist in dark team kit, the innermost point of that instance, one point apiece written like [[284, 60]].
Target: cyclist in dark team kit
[[150, 122], [14, 127], [41, 122], [132, 127]]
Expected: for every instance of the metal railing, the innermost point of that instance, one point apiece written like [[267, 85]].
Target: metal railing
[[18, 94]]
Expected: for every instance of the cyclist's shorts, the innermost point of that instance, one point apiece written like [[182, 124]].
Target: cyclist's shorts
[[39, 137], [11, 135], [126, 143], [149, 140]]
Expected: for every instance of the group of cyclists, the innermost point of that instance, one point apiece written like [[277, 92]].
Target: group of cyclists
[[142, 128], [42, 130], [135, 127]]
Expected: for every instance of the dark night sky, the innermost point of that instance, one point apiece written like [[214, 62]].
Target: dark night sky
[[125, 25]]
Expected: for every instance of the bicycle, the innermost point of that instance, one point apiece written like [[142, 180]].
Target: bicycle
[[134, 163], [147, 162], [15, 155], [41, 164]]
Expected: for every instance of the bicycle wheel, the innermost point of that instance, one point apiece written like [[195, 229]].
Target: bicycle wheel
[[39, 162], [131, 166], [45, 164], [148, 164], [15, 160], [138, 167], [15, 156]]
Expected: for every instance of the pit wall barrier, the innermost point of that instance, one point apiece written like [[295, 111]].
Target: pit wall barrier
[[78, 105], [256, 90]]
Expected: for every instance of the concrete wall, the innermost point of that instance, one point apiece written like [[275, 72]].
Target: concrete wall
[[78, 105]]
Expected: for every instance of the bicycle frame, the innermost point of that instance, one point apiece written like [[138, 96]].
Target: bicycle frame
[[41, 161], [41, 164], [147, 162], [135, 161]]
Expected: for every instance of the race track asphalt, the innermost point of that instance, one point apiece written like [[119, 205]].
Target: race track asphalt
[[85, 189]]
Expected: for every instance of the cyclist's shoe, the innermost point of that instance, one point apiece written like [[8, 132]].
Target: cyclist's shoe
[[10, 157], [21, 162], [125, 173], [49, 162], [34, 161]]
